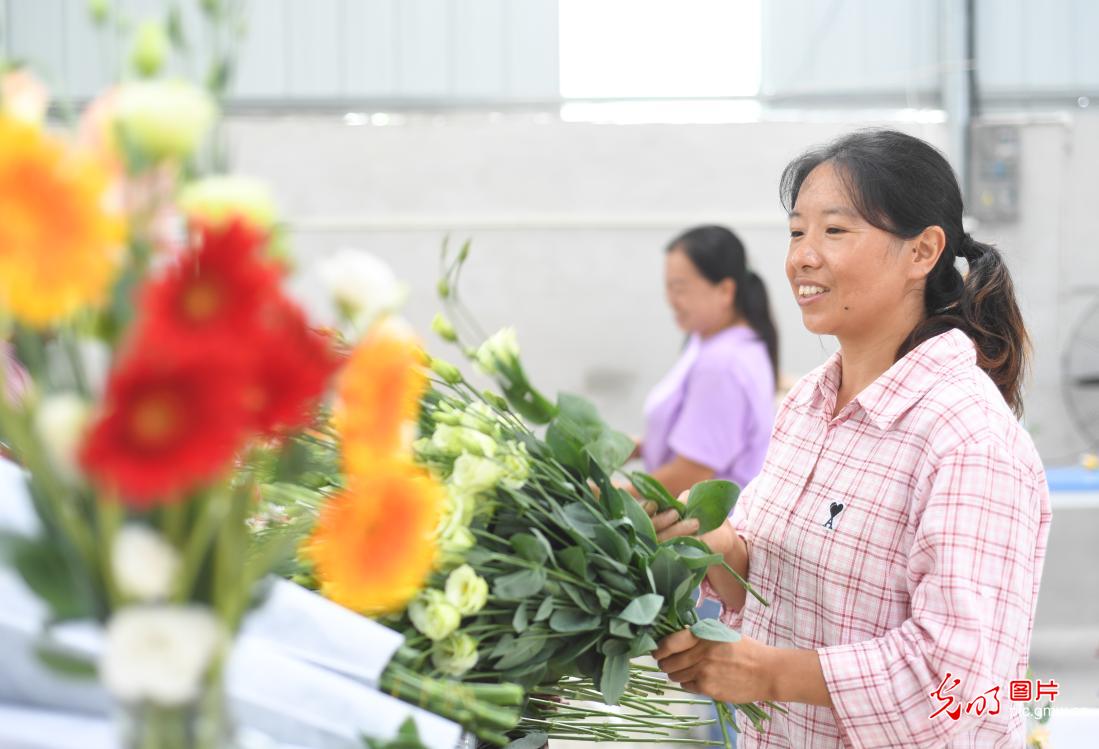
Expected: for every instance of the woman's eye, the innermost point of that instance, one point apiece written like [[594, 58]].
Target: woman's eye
[[834, 230], [795, 233]]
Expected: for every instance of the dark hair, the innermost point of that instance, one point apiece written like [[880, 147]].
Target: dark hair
[[718, 254], [902, 185]]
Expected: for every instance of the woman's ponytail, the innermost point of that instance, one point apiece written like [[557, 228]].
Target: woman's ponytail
[[752, 303]]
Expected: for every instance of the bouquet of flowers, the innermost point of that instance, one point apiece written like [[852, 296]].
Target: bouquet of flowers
[[548, 574], [154, 352]]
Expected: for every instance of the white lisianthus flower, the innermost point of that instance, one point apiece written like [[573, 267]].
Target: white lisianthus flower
[[453, 548], [466, 590], [515, 461], [456, 654], [59, 423], [457, 512], [482, 418], [144, 564], [433, 615], [164, 119], [460, 440], [362, 286], [218, 199], [501, 350], [474, 474], [159, 654]]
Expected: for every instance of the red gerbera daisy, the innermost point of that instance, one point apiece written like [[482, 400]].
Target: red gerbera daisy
[[291, 367], [169, 422], [215, 291]]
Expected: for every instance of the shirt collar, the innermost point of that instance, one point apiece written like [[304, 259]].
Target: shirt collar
[[887, 398]]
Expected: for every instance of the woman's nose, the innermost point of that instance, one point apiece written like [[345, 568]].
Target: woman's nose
[[803, 255]]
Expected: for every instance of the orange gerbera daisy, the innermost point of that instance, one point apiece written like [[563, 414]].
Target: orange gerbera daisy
[[373, 544], [60, 246], [379, 393]]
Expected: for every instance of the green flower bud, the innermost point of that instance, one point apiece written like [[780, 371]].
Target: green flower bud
[[446, 370], [150, 49], [443, 328]]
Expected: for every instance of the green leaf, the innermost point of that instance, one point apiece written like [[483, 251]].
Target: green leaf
[[613, 544], [616, 672], [610, 450], [524, 649], [643, 609], [576, 647], [620, 628], [529, 548], [711, 502], [568, 450], [668, 572], [571, 620], [544, 609], [615, 646], [46, 571], [612, 503], [642, 645], [65, 662], [640, 521], [583, 600], [621, 583], [530, 741], [519, 585], [520, 620], [574, 560], [651, 489], [712, 629], [580, 518], [603, 596]]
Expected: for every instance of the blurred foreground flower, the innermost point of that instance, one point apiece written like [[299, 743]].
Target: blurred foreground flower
[[215, 200], [60, 245], [373, 545], [23, 97], [159, 654], [144, 563], [163, 119]]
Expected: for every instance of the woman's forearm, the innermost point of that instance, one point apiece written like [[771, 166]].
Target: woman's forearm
[[730, 590]]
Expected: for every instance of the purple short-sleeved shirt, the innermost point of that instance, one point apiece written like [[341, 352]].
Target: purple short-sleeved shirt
[[715, 407]]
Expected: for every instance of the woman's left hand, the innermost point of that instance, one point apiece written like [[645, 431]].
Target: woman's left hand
[[734, 672]]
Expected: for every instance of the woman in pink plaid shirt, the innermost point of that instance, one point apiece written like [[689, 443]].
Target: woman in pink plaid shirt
[[898, 526]]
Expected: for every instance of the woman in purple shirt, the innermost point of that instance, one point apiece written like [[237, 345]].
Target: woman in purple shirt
[[711, 415]]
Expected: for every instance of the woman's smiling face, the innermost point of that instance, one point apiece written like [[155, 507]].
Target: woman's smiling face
[[848, 276]]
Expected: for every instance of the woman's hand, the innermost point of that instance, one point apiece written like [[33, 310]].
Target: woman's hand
[[669, 525], [734, 672]]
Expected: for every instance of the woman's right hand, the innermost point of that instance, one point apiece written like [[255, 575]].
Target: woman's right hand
[[669, 525]]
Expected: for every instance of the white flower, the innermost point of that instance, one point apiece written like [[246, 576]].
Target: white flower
[[59, 423], [455, 655], [164, 119], [23, 97], [459, 440], [457, 512], [473, 474], [159, 654], [515, 461], [144, 564], [453, 548], [482, 418], [501, 350], [362, 286], [432, 615], [218, 199], [466, 590]]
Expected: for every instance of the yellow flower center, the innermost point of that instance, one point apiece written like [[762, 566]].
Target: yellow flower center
[[201, 301], [155, 419]]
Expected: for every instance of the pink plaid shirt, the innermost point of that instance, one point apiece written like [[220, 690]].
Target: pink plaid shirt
[[902, 540]]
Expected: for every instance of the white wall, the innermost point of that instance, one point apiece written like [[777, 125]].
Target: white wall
[[569, 222]]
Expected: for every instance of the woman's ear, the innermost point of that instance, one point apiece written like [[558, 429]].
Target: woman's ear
[[927, 248], [728, 288]]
